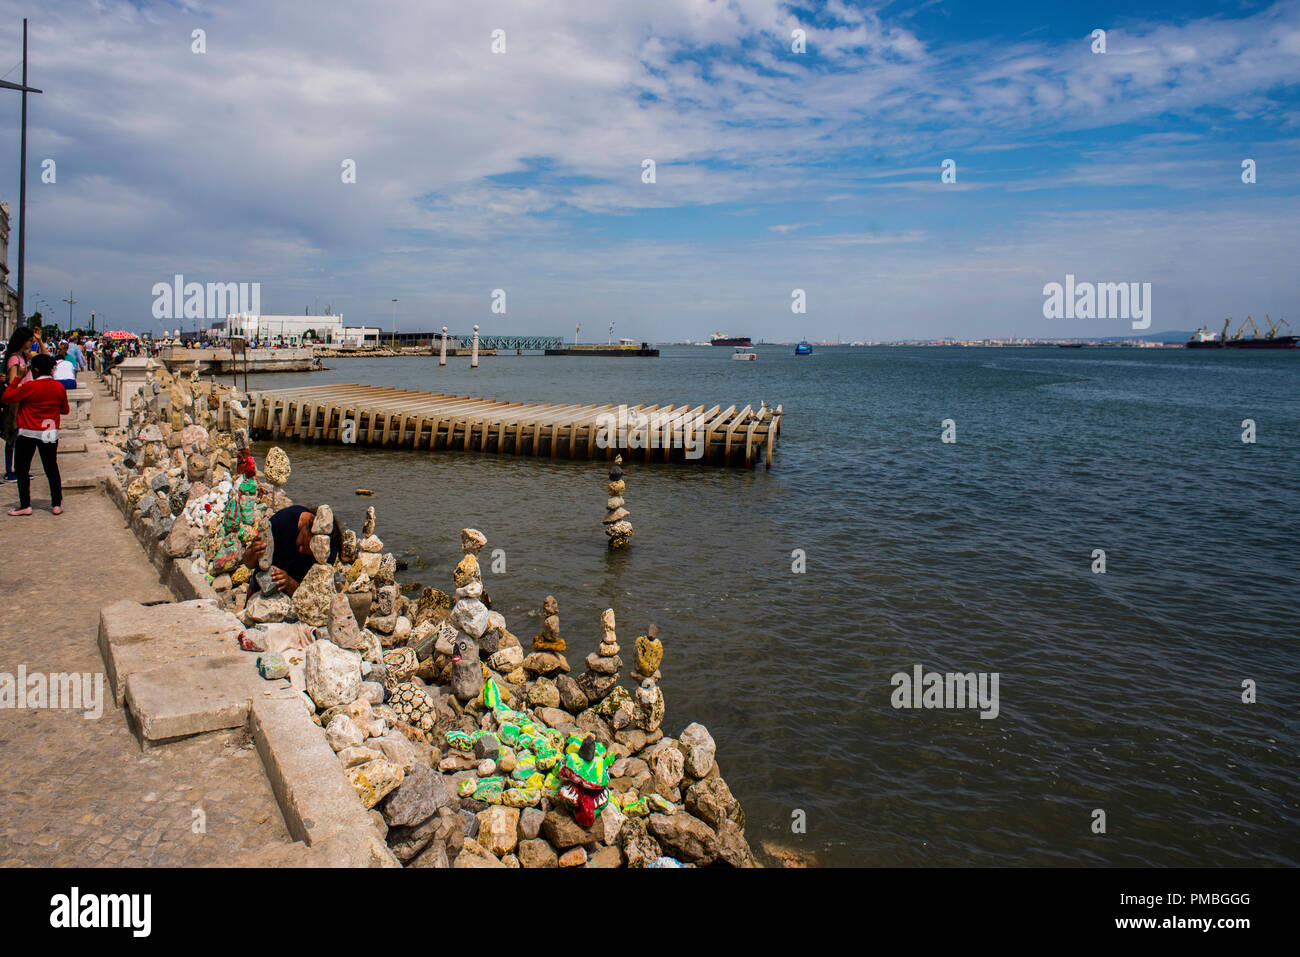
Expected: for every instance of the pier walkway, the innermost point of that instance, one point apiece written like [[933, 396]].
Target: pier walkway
[[399, 418], [78, 790]]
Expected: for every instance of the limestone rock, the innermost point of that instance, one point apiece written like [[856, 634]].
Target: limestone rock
[[545, 663], [311, 602], [417, 798], [543, 693], [649, 654], [713, 803], [537, 853], [572, 697], [668, 766], [333, 675], [277, 466], [474, 854], [685, 837], [574, 857], [343, 733], [639, 848], [323, 523], [374, 780], [563, 831], [699, 749], [470, 616], [472, 541], [498, 829]]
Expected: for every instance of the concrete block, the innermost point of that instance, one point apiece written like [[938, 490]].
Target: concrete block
[[184, 582], [193, 695], [135, 638], [315, 796]]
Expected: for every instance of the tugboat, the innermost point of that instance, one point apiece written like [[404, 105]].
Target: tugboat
[[803, 349], [744, 355]]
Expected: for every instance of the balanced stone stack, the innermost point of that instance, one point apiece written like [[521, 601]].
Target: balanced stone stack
[[370, 548], [649, 654], [548, 647], [470, 617], [603, 666], [617, 527], [277, 473]]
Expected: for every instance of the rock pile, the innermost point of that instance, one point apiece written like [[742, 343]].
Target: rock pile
[[467, 752], [617, 527]]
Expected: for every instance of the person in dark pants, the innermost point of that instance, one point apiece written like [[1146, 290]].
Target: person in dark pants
[[41, 402], [291, 557]]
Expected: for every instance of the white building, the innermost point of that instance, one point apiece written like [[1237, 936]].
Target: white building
[[357, 337], [281, 330]]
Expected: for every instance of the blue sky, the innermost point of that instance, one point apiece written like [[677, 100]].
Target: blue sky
[[774, 170]]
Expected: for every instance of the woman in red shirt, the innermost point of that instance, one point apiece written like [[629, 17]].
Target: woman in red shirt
[[41, 401]]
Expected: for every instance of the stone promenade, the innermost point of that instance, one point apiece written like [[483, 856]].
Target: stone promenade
[[81, 792]]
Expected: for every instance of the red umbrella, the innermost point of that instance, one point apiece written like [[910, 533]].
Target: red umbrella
[[119, 334]]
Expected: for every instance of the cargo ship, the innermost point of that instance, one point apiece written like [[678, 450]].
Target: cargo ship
[[1204, 339], [718, 339]]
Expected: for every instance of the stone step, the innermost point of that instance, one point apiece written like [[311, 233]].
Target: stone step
[[135, 638], [194, 695], [314, 794]]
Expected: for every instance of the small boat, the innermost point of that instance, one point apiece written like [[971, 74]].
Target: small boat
[[803, 349], [744, 355]]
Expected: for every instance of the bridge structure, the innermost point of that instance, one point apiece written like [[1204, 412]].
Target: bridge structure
[[530, 343]]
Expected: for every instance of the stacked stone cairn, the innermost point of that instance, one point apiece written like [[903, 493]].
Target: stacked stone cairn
[[450, 736], [617, 527]]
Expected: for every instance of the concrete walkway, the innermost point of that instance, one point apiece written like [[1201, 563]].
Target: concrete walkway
[[81, 792]]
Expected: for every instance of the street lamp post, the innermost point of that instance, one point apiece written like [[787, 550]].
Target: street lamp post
[[71, 302], [22, 176], [394, 325]]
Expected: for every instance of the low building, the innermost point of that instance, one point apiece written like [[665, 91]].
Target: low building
[[8, 297], [280, 330]]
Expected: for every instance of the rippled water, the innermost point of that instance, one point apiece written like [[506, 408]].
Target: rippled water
[[1119, 691]]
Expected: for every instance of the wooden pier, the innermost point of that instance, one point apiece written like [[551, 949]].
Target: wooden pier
[[399, 418]]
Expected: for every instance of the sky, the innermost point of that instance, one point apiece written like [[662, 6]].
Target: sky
[[774, 170]]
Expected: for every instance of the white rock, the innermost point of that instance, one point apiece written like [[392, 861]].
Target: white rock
[[507, 659], [343, 733], [471, 616], [698, 748], [333, 675]]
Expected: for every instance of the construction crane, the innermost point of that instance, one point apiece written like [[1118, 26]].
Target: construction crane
[[1273, 326]]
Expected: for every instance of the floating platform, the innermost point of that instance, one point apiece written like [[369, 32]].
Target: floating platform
[[645, 350], [426, 421]]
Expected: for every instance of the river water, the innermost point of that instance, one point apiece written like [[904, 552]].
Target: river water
[[1118, 692]]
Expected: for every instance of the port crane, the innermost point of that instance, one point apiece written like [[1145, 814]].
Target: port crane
[[1273, 326], [1251, 322], [1223, 336]]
